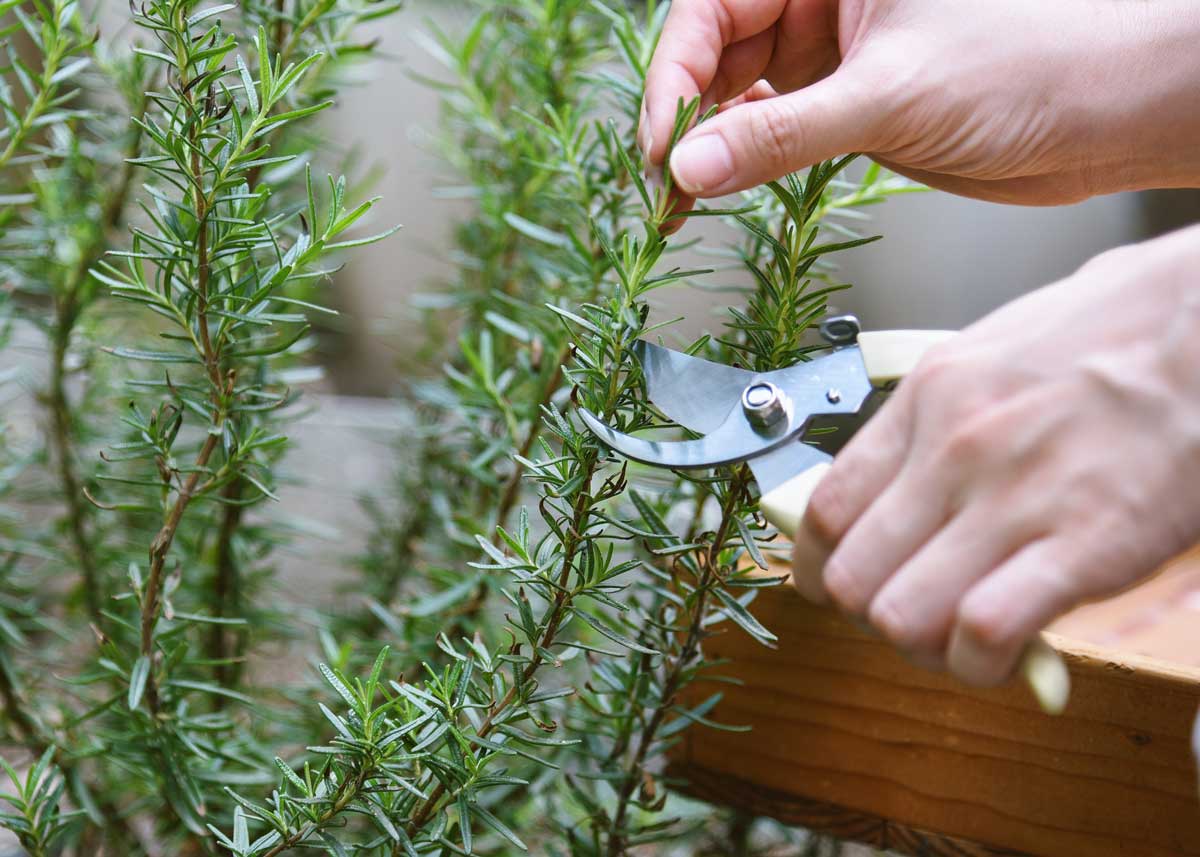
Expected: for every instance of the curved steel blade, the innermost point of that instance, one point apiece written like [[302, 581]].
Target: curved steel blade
[[773, 461], [733, 440], [691, 391]]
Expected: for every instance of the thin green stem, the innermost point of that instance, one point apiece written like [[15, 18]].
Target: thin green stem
[[319, 9], [226, 646], [512, 486], [62, 438], [221, 389], [576, 526], [675, 669], [581, 511]]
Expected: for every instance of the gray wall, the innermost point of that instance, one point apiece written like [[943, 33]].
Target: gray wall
[[391, 116]]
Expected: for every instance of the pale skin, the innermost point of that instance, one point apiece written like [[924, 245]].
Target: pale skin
[[1050, 453]]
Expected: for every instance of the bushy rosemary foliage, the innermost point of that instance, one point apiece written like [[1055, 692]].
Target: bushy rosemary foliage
[[557, 266], [229, 244], [530, 640]]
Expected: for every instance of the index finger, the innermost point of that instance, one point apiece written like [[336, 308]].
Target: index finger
[[689, 50]]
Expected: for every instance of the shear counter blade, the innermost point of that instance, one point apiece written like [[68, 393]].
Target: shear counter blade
[[732, 441], [781, 464]]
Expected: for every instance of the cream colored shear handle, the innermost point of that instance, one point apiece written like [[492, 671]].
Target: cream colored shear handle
[[888, 356]]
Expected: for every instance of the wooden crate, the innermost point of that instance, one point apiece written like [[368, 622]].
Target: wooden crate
[[849, 739]]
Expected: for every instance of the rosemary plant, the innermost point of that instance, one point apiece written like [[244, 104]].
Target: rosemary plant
[[550, 265], [531, 640], [228, 248]]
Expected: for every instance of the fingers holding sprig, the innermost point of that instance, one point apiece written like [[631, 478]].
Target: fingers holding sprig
[[695, 38], [711, 51], [739, 55]]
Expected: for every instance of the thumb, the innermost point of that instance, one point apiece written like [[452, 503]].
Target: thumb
[[760, 141]]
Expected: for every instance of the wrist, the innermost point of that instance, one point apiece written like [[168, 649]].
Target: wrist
[[1144, 112]]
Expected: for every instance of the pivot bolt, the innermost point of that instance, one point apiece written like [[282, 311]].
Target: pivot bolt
[[764, 404]]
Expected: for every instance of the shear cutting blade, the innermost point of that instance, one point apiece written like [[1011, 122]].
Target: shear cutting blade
[[691, 391]]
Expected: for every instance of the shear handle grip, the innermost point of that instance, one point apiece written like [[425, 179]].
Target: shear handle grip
[[889, 355], [1041, 666]]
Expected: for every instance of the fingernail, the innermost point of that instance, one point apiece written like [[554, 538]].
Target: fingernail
[[972, 662], [702, 164], [654, 180], [645, 135]]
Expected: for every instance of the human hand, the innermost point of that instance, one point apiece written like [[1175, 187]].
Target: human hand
[[1047, 455], [1025, 101]]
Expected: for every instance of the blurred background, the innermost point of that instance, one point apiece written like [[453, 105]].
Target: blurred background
[[943, 261]]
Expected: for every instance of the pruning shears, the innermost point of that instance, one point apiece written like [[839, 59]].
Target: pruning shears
[[787, 425]]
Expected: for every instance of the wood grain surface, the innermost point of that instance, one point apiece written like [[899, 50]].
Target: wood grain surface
[[849, 739]]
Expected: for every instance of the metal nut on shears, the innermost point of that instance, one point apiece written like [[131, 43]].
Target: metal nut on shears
[[764, 405]]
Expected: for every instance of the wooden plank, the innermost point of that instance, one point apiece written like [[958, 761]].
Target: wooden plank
[[849, 739]]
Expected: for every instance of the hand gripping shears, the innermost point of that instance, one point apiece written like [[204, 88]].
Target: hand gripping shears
[[787, 425]]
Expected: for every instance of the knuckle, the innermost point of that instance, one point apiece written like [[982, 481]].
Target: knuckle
[[1090, 508], [900, 629], [940, 366], [968, 444], [1111, 378], [1090, 573], [844, 587], [829, 514], [942, 380], [773, 133]]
